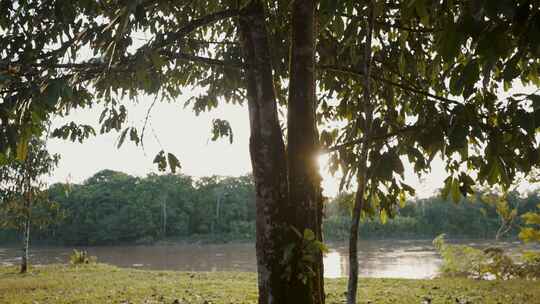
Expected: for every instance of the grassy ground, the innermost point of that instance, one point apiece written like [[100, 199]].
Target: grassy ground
[[107, 284]]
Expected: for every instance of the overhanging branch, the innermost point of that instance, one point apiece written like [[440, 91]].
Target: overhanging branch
[[205, 60], [345, 70], [370, 139], [194, 25]]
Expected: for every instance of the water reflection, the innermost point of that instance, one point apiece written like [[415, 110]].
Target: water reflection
[[385, 259], [377, 258]]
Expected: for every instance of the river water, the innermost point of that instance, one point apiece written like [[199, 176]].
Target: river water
[[377, 258]]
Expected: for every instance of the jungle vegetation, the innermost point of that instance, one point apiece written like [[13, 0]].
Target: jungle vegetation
[[113, 207]]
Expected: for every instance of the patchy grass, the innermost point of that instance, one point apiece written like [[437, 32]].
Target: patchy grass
[[108, 284]]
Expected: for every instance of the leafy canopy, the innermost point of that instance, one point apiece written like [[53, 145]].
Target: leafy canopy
[[439, 71]]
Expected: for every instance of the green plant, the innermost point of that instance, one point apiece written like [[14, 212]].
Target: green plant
[[531, 232], [301, 255], [499, 264], [465, 261], [81, 257], [460, 260]]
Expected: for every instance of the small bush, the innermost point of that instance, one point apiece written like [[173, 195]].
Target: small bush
[[81, 258], [530, 267], [465, 261], [460, 260]]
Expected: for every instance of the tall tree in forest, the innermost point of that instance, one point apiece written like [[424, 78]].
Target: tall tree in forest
[[24, 202]]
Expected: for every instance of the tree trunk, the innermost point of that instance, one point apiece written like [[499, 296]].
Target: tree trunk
[[352, 285], [288, 193], [267, 156], [26, 245], [302, 150], [360, 199]]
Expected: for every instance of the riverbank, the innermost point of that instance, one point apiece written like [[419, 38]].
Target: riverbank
[[102, 283]]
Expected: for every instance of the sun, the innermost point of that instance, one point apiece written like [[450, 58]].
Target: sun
[[330, 183]]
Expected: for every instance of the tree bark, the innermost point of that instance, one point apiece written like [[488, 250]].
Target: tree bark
[[27, 219], [360, 199], [352, 285], [303, 148], [288, 191], [26, 245], [268, 157]]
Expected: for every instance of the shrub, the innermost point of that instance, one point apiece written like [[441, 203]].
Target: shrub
[[81, 258], [465, 261], [530, 267], [460, 260]]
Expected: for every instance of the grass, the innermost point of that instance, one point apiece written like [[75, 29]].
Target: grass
[[108, 284]]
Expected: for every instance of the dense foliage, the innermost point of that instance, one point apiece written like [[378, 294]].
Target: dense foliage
[[112, 207], [490, 263], [426, 218]]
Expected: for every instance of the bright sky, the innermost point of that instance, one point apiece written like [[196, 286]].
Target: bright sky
[[180, 131]]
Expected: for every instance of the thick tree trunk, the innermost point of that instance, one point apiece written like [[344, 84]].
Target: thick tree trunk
[[26, 245], [267, 156], [302, 149], [360, 199]]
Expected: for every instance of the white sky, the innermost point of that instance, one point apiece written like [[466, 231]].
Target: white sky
[[181, 132]]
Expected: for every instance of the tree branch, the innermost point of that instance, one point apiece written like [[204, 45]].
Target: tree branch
[[371, 138], [205, 60], [195, 24], [350, 71]]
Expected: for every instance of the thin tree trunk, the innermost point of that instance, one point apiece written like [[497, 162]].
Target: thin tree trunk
[[27, 196], [26, 245], [360, 198], [303, 147], [267, 156]]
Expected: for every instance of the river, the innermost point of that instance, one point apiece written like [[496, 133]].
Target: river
[[413, 259]]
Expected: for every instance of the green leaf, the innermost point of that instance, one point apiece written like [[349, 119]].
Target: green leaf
[[494, 172], [511, 68], [173, 162], [375, 201], [402, 199], [160, 160], [309, 235], [221, 128], [157, 60], [122, 138], [449, 44], [455, 191], [529, 234], [22, 146], [133, 136], [535, 99], [445, 191], [383, 216], [421, 10], [531, 218]]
